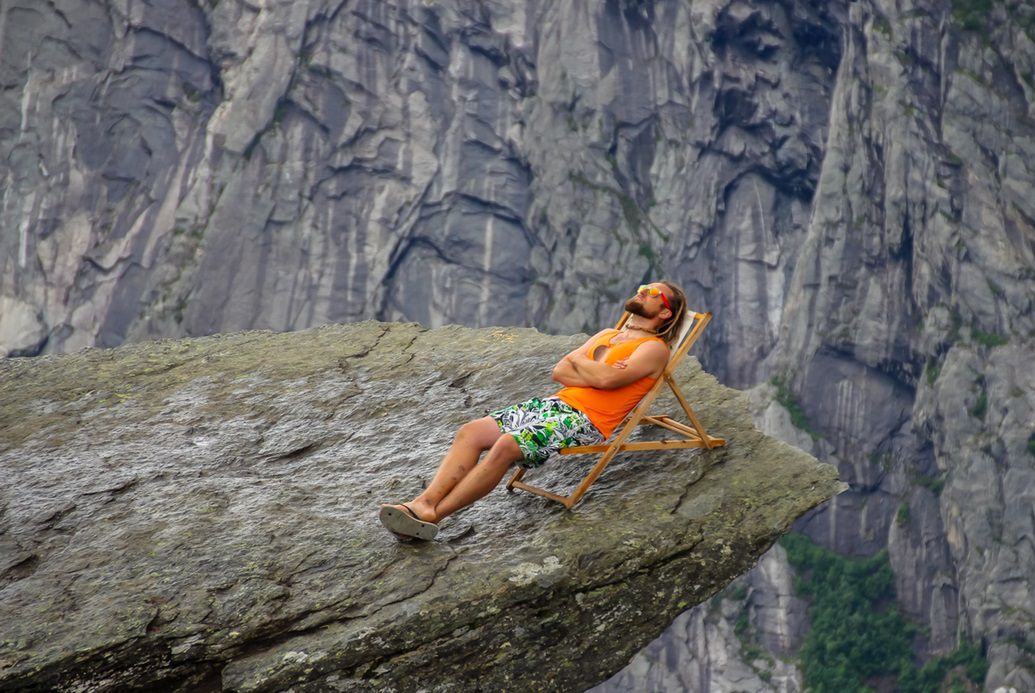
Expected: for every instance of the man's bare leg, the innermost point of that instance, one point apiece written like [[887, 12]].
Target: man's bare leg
[[483, 478], [473, 438]]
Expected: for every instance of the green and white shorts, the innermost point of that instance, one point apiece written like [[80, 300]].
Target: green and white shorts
[[542, 427]]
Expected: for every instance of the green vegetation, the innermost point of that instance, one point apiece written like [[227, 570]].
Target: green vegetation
[[885, 460], [974, 15], [915, 13], [750, 651], [933, 483], [933, 370], [1031, 444], [645, 251], [974, 77], [740, 626], [788, 401], [630, 210], [1027, 23], [959, 670], [857, 632], [989, 339], [903, 515], [1027, 659], [981, 405], [905, 58], [971, 15], [179, 311], [882, 25], [634, 216], [738, 593], [282, 110], [955, 323]]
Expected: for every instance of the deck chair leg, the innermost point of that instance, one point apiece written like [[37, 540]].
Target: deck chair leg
[[597, 470], [634, 420], [517, 477], [708, 444]]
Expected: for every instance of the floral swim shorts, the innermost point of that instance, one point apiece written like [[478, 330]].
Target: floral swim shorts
[[542, 427]]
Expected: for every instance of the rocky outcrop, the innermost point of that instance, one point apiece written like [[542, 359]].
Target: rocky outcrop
[[203, 514]]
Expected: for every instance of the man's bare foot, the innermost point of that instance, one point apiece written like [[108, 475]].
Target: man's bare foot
[[423, 510]]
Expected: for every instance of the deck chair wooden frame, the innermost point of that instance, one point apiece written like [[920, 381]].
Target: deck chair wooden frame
[[692, 436]]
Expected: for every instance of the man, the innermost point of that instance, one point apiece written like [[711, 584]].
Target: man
[[604, 379]]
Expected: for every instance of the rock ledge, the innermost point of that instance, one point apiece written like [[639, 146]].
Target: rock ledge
[[202, 514]]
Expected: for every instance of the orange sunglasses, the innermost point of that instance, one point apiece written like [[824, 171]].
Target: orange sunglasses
[[652, 291]]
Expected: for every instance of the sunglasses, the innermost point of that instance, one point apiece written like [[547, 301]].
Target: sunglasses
[[653, 291]]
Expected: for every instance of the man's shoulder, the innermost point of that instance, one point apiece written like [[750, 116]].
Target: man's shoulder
[[655, 347]]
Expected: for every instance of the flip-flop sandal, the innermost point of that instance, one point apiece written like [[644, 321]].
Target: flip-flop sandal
[[406, 522]]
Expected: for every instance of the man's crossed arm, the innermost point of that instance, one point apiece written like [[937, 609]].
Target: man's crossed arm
[[579, 370]]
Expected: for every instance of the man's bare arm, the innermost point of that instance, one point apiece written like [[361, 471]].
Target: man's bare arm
[[564, 372], [649, 359]]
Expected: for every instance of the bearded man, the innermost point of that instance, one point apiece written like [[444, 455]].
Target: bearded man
[[603, 380]]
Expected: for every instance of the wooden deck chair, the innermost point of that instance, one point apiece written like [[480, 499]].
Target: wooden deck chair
[[692, 436]]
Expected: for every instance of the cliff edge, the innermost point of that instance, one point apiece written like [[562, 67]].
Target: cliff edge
[[203, 514]]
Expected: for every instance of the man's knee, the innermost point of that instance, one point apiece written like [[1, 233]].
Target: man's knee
[[505, 451], [483, 433]]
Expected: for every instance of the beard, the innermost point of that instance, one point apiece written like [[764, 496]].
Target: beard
[[636, 307]]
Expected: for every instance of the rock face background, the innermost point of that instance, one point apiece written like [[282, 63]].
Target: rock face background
[[847, 185]]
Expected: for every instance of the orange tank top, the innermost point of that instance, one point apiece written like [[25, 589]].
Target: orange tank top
[[606, 408]]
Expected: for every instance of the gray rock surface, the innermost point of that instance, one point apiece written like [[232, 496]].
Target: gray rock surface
[[180, 168], [203, 514], [744, 639], [848, 186]]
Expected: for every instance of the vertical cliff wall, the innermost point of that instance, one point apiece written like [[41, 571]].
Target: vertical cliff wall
[[905, 335], [182, 168], [908, 324], [847, 185]]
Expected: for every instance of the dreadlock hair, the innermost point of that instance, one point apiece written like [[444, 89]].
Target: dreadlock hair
[[670, 329]]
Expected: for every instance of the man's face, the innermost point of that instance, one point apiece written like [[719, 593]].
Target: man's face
[[645, 305]]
